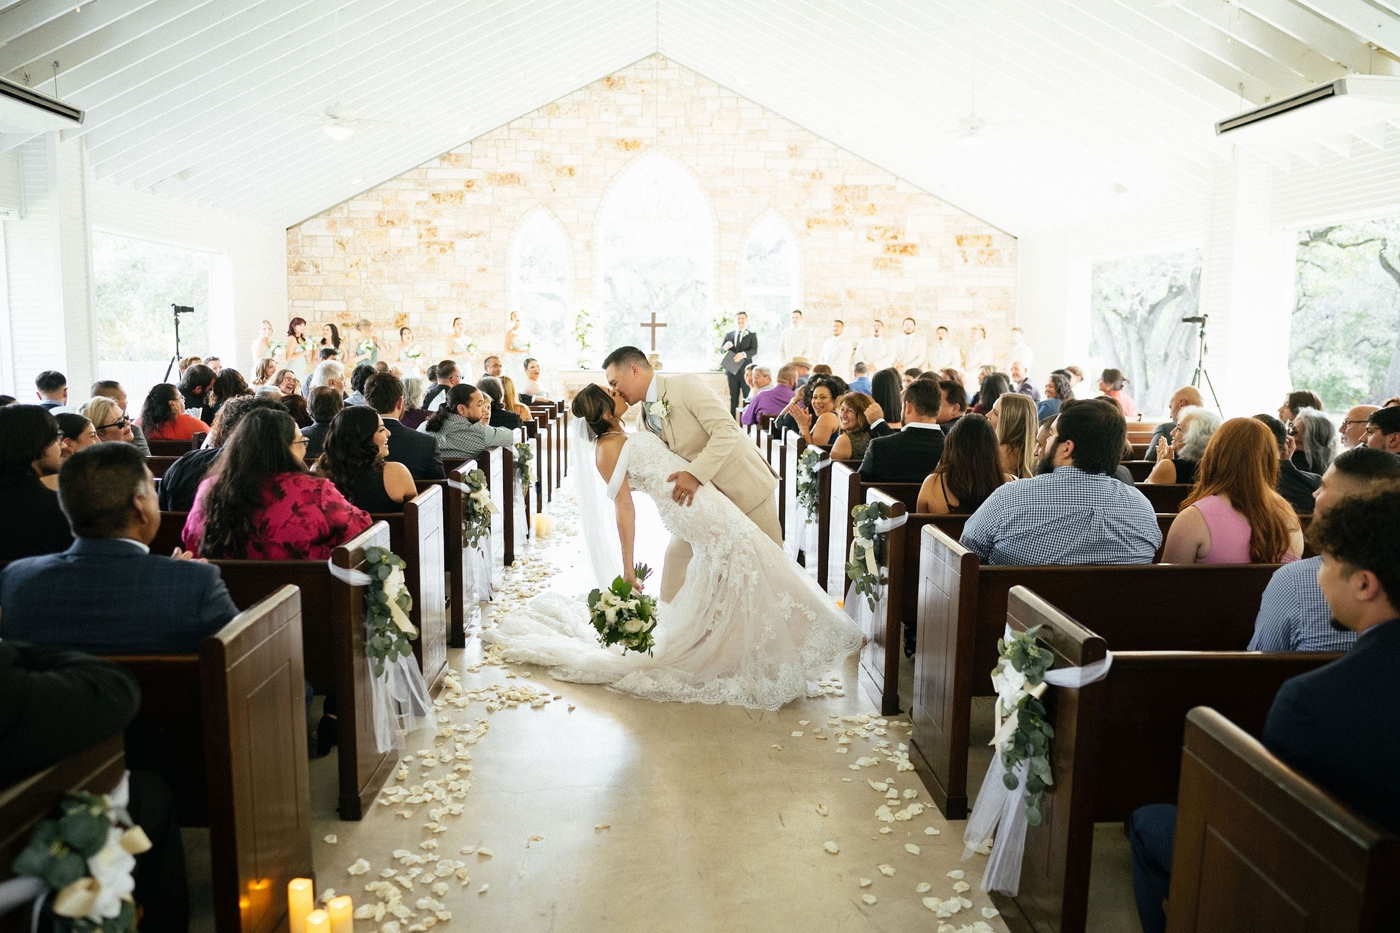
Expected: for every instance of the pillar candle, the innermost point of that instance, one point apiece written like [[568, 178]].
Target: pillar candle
[[543, 525], [318, 921], [301, 900], [342, 911]]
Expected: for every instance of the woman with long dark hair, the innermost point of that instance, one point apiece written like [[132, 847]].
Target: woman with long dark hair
[[228, 384], [1057, 392], [298, 349], [330, 337], [887, 389], [463, 424], [355, 457], [74, 433], [30, 449], [163, 416], [989, 390], [969, 470], [260, 503]]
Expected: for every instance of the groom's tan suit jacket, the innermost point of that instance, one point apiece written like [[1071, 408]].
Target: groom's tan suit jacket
[[699, 429]]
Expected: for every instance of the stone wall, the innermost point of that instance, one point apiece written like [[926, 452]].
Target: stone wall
[[434, 243]]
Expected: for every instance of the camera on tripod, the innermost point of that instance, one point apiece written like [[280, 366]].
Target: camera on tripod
[[182, 309], [176, 310]]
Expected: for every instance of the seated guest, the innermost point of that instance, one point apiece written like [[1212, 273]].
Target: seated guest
[[1176, 463], [1322, 723], [954, 402], [112, 389], [969, 470], [324, 355], [491, 366], [804, 369], [228, 384], [214, 363], [989, 390], [1074, 511], [445, 377], [510, 401], [910, 374], [260, 503], [821, 369], [329, 373], [1233, 515], [1295, 402], [356, 458], [52, 389], [384, 393], [1294, 485], [887, 389], [163, 416], [911, 454], [29, 510], [1314, 440], [6, 400], [414, 413], [197, 386], [462, 426], [1293, 616], [1057, 390], [814, 410], [1111, 383], [1044, 435], [1353, 427], [110, 423], [771, 399], [358, 377], [286, 382], [1013, 417], [861, 382], [500, 418], [74, 433], [182, 478], [1021, 381], [324, 405], [263, 371], [1383, 430], [855, 434], [1184, 397], [107, 593]]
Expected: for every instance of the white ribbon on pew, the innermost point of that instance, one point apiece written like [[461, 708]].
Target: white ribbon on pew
[[399, 698], [821, 465], [1002, 812]]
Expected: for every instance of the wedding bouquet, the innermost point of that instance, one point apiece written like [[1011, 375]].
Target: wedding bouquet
[[275, 350], [623, 614], [413, 353], [365, 346]]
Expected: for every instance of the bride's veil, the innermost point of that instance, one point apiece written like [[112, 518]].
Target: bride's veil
[[597, 518]]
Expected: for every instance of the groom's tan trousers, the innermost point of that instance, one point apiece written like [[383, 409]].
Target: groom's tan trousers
[[764, 515]]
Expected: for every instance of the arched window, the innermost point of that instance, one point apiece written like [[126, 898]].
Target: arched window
[[770, 287], [656, 256], [539, 270]]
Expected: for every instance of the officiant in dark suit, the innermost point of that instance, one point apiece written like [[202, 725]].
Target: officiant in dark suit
[[910, 454], [740, 347]]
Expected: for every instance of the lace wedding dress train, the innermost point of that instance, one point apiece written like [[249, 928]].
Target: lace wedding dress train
[[747, 628]]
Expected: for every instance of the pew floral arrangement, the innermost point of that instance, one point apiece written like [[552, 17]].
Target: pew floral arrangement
[[524, 460], [623, 614], [388, 632], [863, 565], [87, 855], [477, 509], [1023, 728], [807, 485]]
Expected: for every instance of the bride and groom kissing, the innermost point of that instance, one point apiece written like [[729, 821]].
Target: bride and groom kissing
[[740, 623]]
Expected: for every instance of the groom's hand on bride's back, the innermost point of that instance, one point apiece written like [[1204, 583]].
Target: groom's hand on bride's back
[[685, 488]]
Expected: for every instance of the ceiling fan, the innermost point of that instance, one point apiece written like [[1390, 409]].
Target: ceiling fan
[[340, 122]]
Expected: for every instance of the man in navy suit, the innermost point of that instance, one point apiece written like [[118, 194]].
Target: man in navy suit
[[107, 594], [742, 344], [419, 452], [1322, 723], [908, 455]]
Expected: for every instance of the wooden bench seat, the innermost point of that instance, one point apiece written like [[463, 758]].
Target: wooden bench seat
[[1140, 469], [962, 612], [1165, 497], [158, 465], [418, 535]]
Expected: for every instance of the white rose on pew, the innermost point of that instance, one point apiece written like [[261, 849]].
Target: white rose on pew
[[1008, 682], [394, 583], [112, 867]]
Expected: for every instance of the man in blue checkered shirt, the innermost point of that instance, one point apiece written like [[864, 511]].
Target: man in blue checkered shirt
[[1293, 616], [1074, 511]]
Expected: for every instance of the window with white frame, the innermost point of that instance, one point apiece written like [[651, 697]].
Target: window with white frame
[[770, 283], [540, 274]]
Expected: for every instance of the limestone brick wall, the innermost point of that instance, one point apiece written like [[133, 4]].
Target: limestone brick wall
[[434, 243]]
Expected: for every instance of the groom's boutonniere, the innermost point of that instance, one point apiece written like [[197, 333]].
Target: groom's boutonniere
[[660, 410]]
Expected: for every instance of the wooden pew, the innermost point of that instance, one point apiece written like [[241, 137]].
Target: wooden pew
[[775, 462], [158, 465], [418, 534], [795, 516], [333, 649], [237, 715], [172, 448], [544, 464], [1165, 497], [1140, 450], [482, 576], [962, 611], [1117, 746], [26, 803], [840, 492], [463, 608], [492, 464], [1140, 469], [1259, 847]]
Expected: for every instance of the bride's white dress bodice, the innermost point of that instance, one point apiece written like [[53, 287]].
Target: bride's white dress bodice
[[747, 628]]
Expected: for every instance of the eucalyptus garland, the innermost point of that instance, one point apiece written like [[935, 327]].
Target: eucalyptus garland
[[389, 635], [807, 483], [863, 566], [1023, 727], [476, 509], [524, 465]]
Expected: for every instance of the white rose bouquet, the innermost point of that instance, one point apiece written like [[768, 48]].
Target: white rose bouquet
[[623, 614]]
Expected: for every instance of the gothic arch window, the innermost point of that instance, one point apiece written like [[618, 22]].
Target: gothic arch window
[[539, 270], [770, 290], [656, 255]]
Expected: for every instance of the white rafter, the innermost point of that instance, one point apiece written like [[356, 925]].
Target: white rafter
[[37, 47], [1320, 34], [1371, 23], [1239, 25]]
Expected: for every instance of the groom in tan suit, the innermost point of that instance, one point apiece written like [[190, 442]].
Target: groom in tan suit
[[691, 420]]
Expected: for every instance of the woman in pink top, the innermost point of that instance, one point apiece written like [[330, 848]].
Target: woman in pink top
[[263, 505], [163, 416], [1233, 515], [1111, 383]]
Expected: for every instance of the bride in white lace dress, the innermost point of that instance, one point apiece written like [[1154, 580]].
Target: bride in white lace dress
[[747, 628]]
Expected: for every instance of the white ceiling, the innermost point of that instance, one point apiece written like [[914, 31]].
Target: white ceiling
[[1091, 105]]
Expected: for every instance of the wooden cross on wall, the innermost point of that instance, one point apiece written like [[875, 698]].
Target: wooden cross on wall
[[653, 325]]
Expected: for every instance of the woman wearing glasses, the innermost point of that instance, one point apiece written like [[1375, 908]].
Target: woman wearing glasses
[[260, 503], [108, 419]]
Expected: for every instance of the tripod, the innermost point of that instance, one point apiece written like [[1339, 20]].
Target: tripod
[[176, 311], [1201, 371]]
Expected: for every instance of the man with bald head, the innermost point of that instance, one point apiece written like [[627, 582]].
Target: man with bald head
[[1184, 397], [1353, 429]]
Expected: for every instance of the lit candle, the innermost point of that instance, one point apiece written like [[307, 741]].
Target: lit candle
[[301, 900], [318, 921], [342, 911], [543, 524]]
